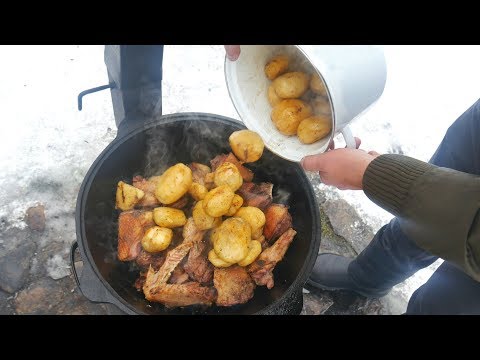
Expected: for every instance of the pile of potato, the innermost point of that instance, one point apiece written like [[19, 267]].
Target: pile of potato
[[300, 103], [236, 230]]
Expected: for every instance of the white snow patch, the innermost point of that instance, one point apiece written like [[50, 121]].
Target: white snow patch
[[57, 267]]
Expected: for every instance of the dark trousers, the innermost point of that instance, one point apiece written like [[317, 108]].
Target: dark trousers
[[392, 257]]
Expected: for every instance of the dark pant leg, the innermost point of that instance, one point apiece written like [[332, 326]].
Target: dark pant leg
[[392, 257], [449, 291]]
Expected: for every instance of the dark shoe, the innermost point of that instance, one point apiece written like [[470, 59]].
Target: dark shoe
[[331, 273]]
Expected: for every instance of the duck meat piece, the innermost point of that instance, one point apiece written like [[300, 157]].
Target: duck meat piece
[[218, 160], [148, 186], [131, 228], [198, 172], [155, 280], [277, 221], [145, 259], [179, 276], [198, 267], [261, 270], [234, 285], [259, 195], [191, 293]]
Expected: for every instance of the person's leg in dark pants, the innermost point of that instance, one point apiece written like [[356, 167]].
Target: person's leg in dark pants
[[392, 257]]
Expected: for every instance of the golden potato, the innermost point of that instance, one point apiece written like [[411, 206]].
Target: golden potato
[[231, 238], [157, 239], [257, 234], [228, 174], [169, 217], [216, 261], [174, 183], [276, 66], [254, 217], [217, 202], [127, 196], [237, 203], [291, 85], [288, 114], [321, 106], [314, 128], [273, 98], [197, 191], [316, 85], [247, 145], [202, 220], [254, 249]]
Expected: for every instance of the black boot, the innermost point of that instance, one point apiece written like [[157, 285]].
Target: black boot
[[331, 273]]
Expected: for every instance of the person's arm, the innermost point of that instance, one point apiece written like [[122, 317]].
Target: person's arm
[[438, 208]]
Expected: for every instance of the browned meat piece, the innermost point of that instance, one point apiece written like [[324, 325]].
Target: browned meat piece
[[179, 276], [198, 172], [192, 293], [156, 281], [131, 228], [198, 267], [256, 195], [261, 270], [247, 174], [180, 203], [234, 285], [277, 221], [140, 281], [148, 187], [145, 259]]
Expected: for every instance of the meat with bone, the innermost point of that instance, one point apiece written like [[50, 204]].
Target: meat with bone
[[198, 172], [259, 195], [145, 259], [234, 285], [131, 228], [190, 293], [261, 270], [148, 187], [198, 267]]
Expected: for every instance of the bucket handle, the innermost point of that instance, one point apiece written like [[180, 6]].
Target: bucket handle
[[349, 139]]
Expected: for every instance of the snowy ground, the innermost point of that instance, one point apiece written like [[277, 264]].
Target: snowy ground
[[48, 145]]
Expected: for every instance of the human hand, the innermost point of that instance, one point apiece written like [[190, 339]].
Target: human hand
[[233, 52], [342, 168]]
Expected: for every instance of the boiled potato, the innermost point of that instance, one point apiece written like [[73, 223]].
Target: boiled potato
[[217, 202], [216, 261], [254, 217], [247, 145], [257, 234], [321, 106], [288, 114], [231, 238], [316, 85], [174, 183], [157, 239], [291, 85], [254, 249], [314, 128], [202, 220], [276, 66], [127, 196], [273, 98], [228, 174], [169, 217], [237, 203], [197, 191]]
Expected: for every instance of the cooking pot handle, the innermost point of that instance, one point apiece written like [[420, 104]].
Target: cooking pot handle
[[89, 284], [349, 139]]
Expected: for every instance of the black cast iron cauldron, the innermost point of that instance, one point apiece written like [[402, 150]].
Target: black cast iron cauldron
[[148, 149]]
